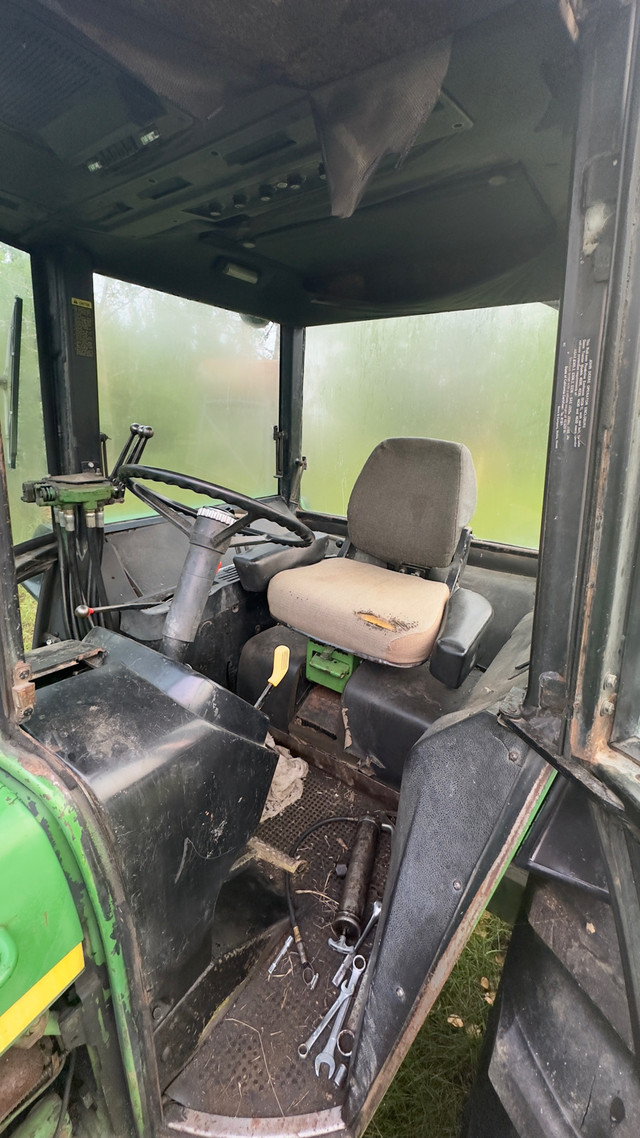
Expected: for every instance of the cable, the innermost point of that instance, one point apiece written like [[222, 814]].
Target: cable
[[295, 847], [66, 1094], [307, 969], [91, 591]]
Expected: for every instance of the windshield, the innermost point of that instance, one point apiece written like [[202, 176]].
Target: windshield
[[203, 378]]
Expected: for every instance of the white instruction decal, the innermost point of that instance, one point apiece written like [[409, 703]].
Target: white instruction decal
[[575, 400]]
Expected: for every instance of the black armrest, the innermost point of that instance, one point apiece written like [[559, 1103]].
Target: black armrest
[[454, 654], [259, 565]]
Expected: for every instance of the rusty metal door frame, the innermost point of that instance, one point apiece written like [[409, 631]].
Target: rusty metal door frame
[[592, 489]]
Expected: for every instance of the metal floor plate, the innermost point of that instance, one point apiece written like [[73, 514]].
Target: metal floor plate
[[248, 1065]]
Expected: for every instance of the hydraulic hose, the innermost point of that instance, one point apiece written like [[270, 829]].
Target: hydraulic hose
[[68, 616], [307, 970], [74, 574]]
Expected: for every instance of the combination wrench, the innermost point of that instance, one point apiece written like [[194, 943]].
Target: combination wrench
[[326, 1058], [345, 994]]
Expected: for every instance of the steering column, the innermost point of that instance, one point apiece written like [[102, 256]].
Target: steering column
[[210, 531], [207, 542]]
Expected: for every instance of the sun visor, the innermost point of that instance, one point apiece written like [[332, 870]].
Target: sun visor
[[376, 112]]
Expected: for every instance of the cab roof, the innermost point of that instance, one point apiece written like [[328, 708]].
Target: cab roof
[[308, 161]]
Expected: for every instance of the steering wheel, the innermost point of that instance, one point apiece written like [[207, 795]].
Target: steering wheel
[[177, 513]]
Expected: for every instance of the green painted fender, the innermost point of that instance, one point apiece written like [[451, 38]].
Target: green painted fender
[[40, 932]]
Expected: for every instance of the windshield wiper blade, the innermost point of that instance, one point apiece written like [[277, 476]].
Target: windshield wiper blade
[[11, 379]]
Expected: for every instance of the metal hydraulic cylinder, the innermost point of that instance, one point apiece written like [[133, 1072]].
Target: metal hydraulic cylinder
[[348, 920]]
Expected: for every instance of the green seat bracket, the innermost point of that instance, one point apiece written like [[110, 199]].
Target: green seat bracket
[[329, 666]]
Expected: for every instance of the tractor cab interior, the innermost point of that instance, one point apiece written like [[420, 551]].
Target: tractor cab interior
[[255, 694]]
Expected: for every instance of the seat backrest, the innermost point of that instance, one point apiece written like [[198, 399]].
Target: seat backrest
[[411, 501]]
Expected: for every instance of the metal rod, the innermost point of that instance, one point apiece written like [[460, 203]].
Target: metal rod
[[140, 603]]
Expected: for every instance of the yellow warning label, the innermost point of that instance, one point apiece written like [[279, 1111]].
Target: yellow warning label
[[81, 303], [25, 1010]]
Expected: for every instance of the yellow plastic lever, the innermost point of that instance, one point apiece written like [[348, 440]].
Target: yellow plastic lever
[[280, 665], [279, 671]]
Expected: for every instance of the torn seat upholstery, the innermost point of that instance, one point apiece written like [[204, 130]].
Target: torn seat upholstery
[[408, 508]]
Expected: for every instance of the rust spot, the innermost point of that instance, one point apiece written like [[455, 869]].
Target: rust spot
[[600, 730], [340, 766], [348, 739], [23, 1071]]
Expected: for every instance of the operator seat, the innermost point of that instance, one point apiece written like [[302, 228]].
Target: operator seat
[[407, 509]]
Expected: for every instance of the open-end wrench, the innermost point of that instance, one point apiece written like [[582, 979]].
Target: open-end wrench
[[305, 1048], [345, 993], [327, 1057], [346, 963]]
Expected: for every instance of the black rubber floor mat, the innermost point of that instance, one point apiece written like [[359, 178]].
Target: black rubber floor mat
[[249, 1066]]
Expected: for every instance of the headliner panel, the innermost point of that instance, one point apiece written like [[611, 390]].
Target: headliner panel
[[435, 232]]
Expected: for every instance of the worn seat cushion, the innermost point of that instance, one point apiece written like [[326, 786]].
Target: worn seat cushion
[[364, 609]]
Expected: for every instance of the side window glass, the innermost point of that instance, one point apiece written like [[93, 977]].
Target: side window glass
[[481, 377], [30, 455]]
